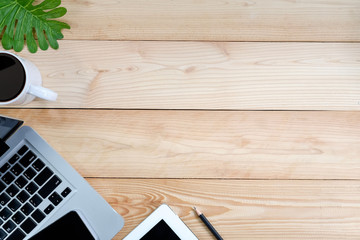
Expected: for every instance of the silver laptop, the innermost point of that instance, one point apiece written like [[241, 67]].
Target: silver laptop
[[38, 187]]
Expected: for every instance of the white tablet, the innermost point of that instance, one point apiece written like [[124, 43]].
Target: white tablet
[[162, 224]]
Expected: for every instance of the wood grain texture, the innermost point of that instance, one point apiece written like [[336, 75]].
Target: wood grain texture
[[202, 75], [255, 174], [202, 144], [243, 209], [213, 20]]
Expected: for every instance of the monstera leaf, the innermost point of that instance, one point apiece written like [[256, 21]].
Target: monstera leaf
[[20, 20]]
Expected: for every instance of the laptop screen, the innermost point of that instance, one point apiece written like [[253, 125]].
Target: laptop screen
[[7, 127]]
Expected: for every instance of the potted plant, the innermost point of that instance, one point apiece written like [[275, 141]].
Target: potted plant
[[23, 23]]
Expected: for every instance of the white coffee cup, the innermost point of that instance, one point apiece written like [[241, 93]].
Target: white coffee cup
[[20, 81]]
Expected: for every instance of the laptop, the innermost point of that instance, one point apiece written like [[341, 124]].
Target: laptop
[[38, 187]]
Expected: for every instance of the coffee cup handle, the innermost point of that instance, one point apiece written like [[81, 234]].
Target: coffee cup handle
[[43, 93]]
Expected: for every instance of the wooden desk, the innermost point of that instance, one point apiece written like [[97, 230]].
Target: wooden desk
[[217, 104]]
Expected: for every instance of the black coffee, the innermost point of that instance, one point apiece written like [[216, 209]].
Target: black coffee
[[12, 77]]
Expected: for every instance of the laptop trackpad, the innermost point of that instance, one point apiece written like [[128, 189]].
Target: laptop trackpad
[[71, 226]]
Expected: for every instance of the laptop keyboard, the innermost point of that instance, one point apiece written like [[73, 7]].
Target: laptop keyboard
[[29, 191]]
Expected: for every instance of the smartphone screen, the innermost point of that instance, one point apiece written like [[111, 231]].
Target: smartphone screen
[[161, 231], [69, 227]]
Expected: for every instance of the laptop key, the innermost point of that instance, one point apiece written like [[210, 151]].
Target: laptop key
[[21, 182], [12, 190], [17, 169], [38, 215], [23, 150], [3, 234], [44, 175], [55, 198], [48, 209], [30, 173], [66, 192], [36, 200], [31, 188], [14, 205], [9, 226], [2, 186], [17, 235], [38, 165], [5, 213], [4, 168], [27, 209], [13, 159], [49, 186], [23, 196], [18, 217], [28, 225], [8, 178], [28, 159], [4, 199]]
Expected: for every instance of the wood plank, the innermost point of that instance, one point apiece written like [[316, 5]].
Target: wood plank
[[243, 209], [202, 144], [230, 20], [202, 75]]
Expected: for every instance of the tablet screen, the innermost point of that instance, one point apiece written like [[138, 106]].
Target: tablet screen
[[162, 224], [160, 231]]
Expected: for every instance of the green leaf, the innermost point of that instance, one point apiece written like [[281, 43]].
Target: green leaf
[[20, 20]]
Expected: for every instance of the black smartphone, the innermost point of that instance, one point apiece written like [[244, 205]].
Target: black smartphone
[[71, 226]]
